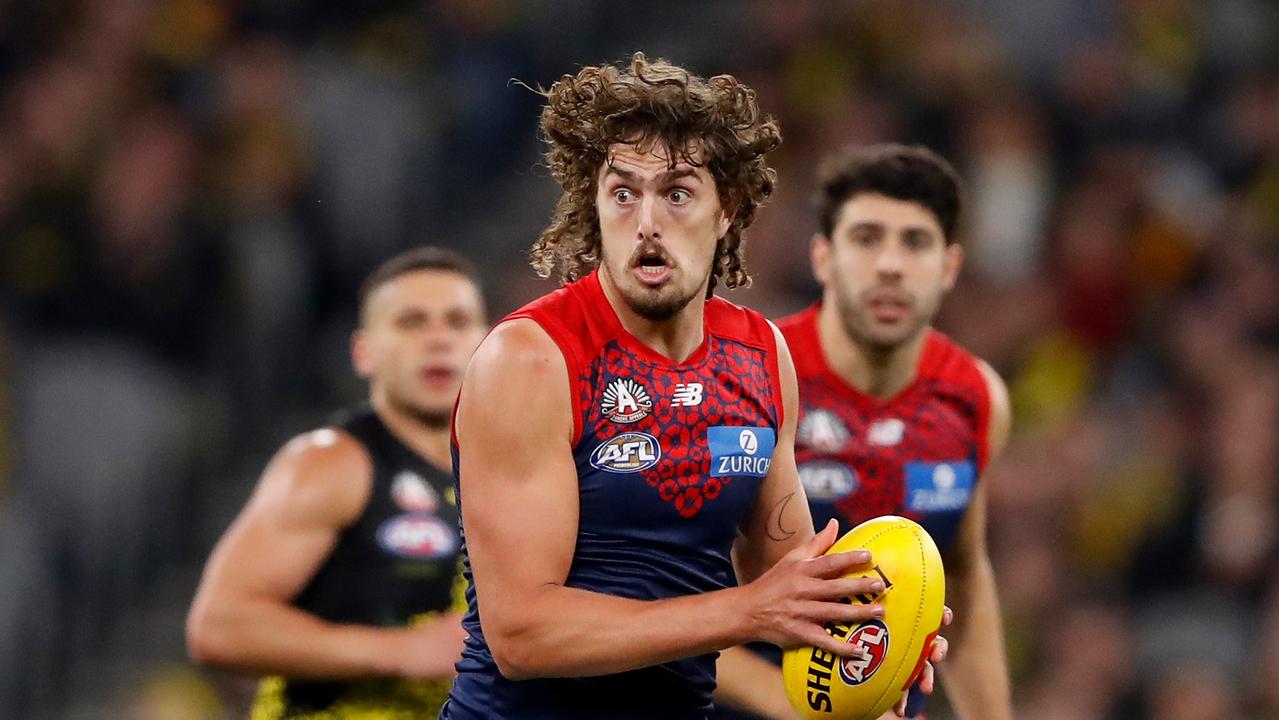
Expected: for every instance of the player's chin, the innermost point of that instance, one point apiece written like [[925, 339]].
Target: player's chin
[[656, 302], [435, 410], [892, 334]]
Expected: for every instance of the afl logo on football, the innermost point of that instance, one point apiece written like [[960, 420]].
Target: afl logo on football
[[625, 401], [416, 536], [871, 637], [628, 452]]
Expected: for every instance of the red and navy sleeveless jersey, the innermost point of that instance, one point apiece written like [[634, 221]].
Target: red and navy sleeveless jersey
[[670, 458], [918, 454]]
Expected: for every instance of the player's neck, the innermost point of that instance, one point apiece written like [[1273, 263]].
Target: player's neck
[[675, 338], [429, 441], [881, 372]]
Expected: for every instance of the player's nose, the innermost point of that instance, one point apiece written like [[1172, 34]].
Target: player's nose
[[891, 259], [649, 226], [438, 335]]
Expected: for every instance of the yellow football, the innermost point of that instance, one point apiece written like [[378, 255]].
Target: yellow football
[[893, 649]]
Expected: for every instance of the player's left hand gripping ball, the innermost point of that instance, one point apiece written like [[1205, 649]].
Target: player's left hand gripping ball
[[894, 649]]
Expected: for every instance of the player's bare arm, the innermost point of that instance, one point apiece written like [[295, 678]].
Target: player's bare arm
[[242, 618], [522, 502], [977, 674], [746, 680], [777, 541], [780, 523]]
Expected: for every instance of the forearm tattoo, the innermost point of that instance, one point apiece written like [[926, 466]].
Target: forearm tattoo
[[774, 528]]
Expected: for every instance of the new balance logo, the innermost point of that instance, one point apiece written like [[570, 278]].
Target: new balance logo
[[687, 395]]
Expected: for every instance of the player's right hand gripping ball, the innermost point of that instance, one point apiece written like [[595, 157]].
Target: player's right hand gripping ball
[[893, 649]]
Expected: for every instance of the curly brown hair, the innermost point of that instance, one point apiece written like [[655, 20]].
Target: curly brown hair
[[714, 122]]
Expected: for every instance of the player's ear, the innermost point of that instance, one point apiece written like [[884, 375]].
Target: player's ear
[[727, 212], [819, 257], [361, 354], [954, 262]]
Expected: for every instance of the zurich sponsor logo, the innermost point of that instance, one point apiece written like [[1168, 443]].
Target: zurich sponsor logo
[[740, 450], [628, 452], [826, 480], [939, 487], [417, 536]]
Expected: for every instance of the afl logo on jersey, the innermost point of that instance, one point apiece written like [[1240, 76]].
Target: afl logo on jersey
[[628, 452], [827, 480], [871, 637], [417, 536], [625, 401]]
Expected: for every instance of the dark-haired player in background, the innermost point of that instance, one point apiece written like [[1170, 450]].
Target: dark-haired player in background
[[337, 579], [896, 419], [625, 443]]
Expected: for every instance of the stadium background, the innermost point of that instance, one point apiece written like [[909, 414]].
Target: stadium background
[[191, 190]]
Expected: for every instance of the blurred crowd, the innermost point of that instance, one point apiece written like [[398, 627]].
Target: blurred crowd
[[191, 191]]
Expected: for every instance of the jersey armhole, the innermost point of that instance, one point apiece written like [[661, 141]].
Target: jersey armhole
[[984, 418], [771, 332], [572, 364]]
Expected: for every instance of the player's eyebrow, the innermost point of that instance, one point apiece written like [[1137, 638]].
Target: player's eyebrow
[[866, 225], [678, 173], [877, 225]]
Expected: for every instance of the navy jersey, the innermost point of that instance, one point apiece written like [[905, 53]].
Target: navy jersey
[[670, 458]]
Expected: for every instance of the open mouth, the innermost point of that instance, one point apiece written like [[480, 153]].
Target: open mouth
[[889, 307], [652, 268], [438, 374]]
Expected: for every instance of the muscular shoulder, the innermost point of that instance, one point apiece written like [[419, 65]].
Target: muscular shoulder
[[324, 475], [516, 347], [518, 366]]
